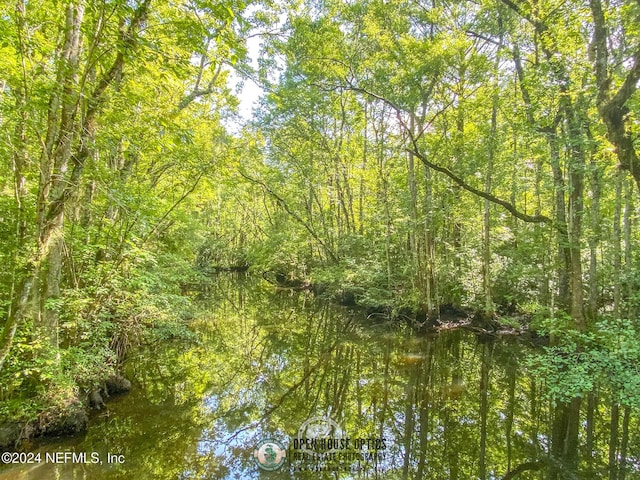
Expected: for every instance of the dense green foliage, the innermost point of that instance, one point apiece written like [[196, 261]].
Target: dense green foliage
[[112, 127], [405, 155], [607, 357], [449, 154]]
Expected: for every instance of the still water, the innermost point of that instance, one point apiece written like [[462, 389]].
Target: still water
[[284, 368]]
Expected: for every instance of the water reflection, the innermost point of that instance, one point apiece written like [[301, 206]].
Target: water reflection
[[449, 406]]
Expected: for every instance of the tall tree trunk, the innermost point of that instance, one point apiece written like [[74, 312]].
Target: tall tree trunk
[[550, 130], [429, 246], [365, 147], [424, 398], [45, 262], [413, 214], [594, 239], [624, 443], [544, 277], [564, 438], [511, 374], [564, 252], [592, 404], [383, 194], [409, 420], [49, 282], [484, 407], [576, 201], [617, 257], [19, 162], [628, 249], [486, 224], [613, 441]]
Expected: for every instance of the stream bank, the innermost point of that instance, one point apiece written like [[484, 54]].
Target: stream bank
[[264, 362]]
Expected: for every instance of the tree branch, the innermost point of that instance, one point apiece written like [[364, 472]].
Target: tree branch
[[487, 196], [630, 84], [537, 24], [523, 467], [599, 49], [296, 217], [612, 109], [185, 194], [200, 92]]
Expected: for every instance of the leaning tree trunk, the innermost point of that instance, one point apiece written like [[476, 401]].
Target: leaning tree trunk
[[52, 234]]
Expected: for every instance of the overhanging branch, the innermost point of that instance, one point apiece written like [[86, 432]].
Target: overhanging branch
[[487, 196], [612, 107], [456, 179]]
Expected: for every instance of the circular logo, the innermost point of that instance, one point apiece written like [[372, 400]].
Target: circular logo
[[320, 428], [269, 455]]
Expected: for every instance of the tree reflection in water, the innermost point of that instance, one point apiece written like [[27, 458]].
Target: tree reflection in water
[[450, 406]]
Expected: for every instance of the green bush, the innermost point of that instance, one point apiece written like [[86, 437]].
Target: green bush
[[608, 356]]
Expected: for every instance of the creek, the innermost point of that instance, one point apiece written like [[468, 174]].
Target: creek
[[276, 364]]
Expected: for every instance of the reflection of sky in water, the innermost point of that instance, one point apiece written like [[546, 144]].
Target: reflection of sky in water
[[233, 448], [180, 423]]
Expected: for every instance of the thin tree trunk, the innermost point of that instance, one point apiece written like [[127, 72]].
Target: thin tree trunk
[[576, 204], [617, 258], [544, 296], [613, 441], [564, 252], [624, 444], [628, 247], [594, 239], [486, 225], [424, 396], [484, 408], [511, 373], [383, 195], [413, 213], [363, 167], [592, 404], [429, 246], [409, 421]]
